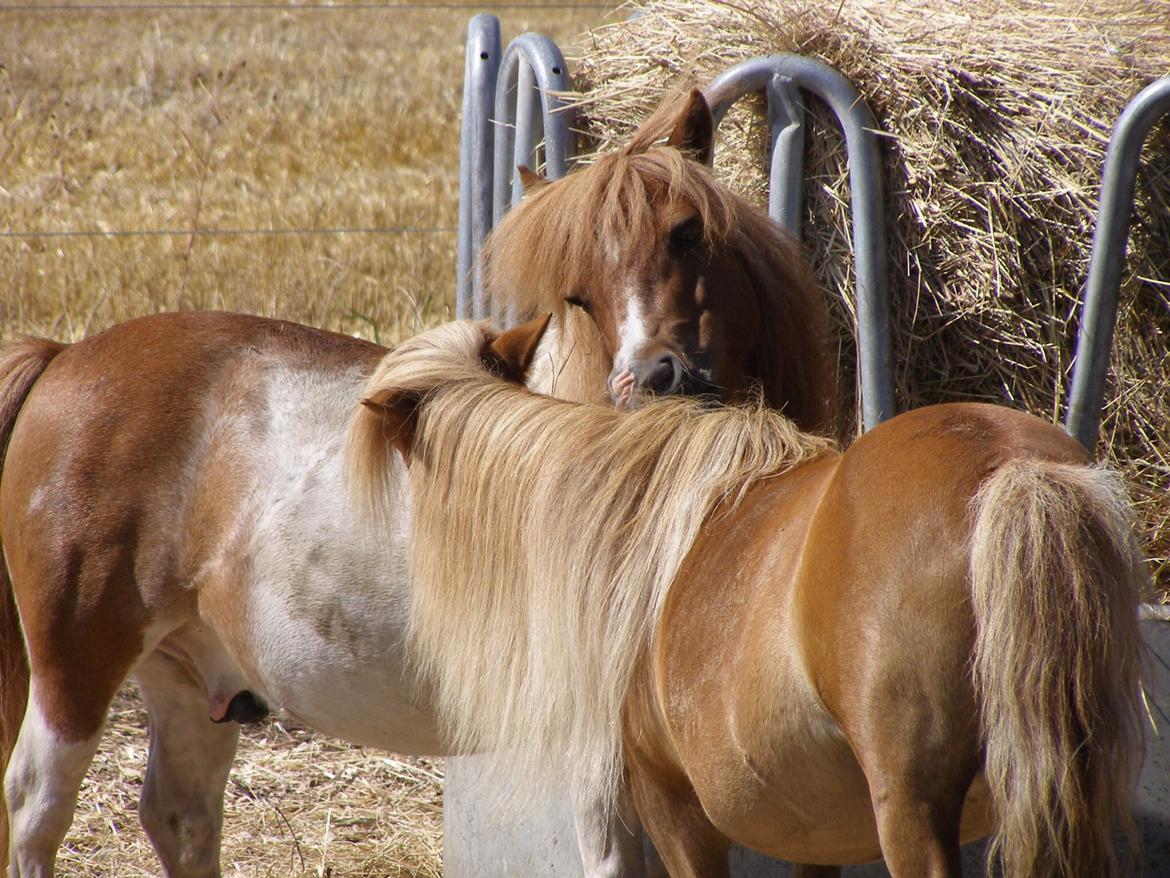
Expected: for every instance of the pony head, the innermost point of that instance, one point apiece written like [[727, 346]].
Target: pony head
[[385, 423], [685, 287]]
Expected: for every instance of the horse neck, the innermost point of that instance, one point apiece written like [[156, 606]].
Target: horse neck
[[791, 359]]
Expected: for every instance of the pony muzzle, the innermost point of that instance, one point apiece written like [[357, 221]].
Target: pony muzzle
[[662, 373]]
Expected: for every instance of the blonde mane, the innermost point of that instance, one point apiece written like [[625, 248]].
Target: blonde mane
[[546, 535], [554, 244]]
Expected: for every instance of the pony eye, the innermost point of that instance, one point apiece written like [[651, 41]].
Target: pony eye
[[687, 234], [577, 302]]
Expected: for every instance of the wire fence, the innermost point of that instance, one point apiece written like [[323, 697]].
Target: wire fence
[[259, 6], [184, 233], [298, 7]]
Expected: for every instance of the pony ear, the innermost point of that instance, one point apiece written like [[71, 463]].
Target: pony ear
[[398, 411], [694, 128], [511, 352], [530, 179]]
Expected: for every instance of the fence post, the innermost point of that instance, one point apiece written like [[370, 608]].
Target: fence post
[[545, 77], [1099, 313], [779, 76], [475, 156]]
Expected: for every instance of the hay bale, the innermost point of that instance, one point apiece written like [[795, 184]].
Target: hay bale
[[998, 116]]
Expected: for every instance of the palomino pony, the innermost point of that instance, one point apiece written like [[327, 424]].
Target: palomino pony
[[829, 657], [171, 506]]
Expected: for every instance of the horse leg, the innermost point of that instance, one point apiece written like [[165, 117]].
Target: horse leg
[[181, 808], [918, 788], [688, 843], [41, 783], [609, 838], [919, 838]]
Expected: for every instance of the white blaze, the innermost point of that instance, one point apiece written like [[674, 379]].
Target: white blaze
[[631, 334]]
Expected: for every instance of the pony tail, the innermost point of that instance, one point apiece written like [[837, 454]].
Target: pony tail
[[21, 364], [1056, 580]]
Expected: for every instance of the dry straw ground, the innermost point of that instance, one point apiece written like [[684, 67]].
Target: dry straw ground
[[139, 120]]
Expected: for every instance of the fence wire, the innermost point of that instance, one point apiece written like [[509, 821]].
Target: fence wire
[[298, 7], [185, 233]]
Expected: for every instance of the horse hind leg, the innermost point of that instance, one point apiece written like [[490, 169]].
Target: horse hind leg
[[688, 843], [181, 808], [75, 668], [41, 784], [919, 838], [918, 790]]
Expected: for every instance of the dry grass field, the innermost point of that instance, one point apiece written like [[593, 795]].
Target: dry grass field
[[147, 123], [297, 161]]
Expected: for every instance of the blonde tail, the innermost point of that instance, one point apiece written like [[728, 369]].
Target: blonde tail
[[1056, 580]]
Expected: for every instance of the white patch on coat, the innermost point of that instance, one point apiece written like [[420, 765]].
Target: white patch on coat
[[41, 785], [328, 604]]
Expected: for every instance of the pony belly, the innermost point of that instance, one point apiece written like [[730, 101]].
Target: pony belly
[[805, 799], [333, 656], [822, 814], [364, 709]]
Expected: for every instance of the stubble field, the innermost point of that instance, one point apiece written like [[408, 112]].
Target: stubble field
[[157, 158]]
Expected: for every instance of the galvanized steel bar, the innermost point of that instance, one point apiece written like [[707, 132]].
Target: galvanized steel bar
[[775, 74], [475, 158], [786, 180], [528, 127], [1099, 314], [551, 77]]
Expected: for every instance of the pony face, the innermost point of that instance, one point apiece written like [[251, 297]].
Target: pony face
[[684, 319], [662, 280]]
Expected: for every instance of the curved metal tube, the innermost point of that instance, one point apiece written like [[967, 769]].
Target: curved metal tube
[[532, 67], [1099, 315], [475, 158], [779, 76]]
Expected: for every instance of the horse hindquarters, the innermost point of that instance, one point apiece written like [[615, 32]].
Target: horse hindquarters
[[21, 363], [1055, 585]]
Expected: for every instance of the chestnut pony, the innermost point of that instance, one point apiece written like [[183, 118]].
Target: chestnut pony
[[829, 657], [171, 504], [666, 280]]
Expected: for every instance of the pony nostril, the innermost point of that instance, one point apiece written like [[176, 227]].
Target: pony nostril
[[663, 376]]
